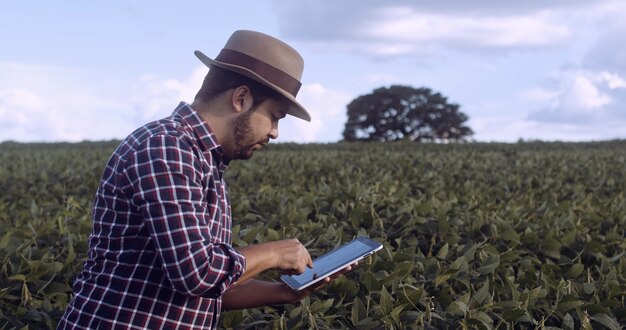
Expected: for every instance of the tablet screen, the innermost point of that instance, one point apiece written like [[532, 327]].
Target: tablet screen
[[332, 262]]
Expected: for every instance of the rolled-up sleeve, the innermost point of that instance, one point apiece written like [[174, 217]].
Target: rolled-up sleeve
[[167, 177]]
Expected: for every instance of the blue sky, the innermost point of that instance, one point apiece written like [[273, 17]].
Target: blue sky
[[546, 70]]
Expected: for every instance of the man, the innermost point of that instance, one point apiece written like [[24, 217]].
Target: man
[[160, 253]]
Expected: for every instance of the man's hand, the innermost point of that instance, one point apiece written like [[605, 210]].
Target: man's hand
[[287, 256], [291, 256], [299, 295], [255, 293]]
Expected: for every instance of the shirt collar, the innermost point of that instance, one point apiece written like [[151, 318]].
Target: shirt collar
[[203, 133]]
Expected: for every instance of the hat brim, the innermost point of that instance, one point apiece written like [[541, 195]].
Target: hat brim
[[296, 109]]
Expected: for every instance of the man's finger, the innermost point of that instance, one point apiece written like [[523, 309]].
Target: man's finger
[[310, 263]]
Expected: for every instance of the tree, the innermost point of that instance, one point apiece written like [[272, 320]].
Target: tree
[[404, 113]]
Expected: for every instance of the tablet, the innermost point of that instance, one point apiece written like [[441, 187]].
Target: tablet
[[332, 262]]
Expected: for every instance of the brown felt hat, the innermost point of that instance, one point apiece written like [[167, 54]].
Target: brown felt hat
[[266, 60]]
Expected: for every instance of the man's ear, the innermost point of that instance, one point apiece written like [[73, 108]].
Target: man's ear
[[241, 98]]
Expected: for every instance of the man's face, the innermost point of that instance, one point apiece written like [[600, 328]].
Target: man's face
[[254, 128]]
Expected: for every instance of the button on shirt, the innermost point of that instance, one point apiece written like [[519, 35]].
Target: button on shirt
[[160, 253]]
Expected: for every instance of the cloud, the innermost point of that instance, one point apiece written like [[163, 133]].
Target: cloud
[[584, 97], [328, 116], [409, 28], [42, 103], [401, 28], [19, 109], [46, 103], [609, 52], [44, 106], [613, 80], [581, 94], [592, 91], [154, 97], [538, 95], [27, 115], [511, 128]]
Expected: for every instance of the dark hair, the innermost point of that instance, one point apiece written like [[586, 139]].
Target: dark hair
[[219, 80]]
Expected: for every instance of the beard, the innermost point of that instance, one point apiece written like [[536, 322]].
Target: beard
[[244, 136]]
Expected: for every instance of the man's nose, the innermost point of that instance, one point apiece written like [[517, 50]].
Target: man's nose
[[274, 133]]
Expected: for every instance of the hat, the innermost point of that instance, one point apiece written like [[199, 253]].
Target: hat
[[265, 59]]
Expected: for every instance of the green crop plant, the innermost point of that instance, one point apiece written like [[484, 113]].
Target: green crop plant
[[476, 236]]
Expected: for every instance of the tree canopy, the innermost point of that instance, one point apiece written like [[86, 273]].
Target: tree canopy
[[405, 113]]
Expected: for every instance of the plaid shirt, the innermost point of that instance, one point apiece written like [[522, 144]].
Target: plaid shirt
[[160, 253]]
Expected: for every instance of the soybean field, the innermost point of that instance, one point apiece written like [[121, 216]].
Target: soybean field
[[475, 235]]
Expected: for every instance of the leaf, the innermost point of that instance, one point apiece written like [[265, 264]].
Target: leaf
[[535, 294], [356, 216], [33, 316], [397, 311], [443, 252], [18, 277], [412, 294], [386, 302], [272, 235], [483, 317], [589, 288], [250, 235], [6, 238], [568, 321], [370, 282], [443, 224], [34, 209], [71, 255], [402, 269], [510, 235], [322, 306], [232, 319], [423, 208], [606, 321], [358, 311], [470, 252], [565, 306], [459, 264], [482, 296], [26, 295], [595, 309], [490, 265], [459, 306], [441, 279], [551, 247], [616, 257], [511, 315], [575, 270], [56, 267], [367, 323], [56, 287], [569, 238]]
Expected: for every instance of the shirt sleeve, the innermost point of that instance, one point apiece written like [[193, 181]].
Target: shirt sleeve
[[167, 180]]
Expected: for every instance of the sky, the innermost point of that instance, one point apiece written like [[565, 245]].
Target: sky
[[533, 70]]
